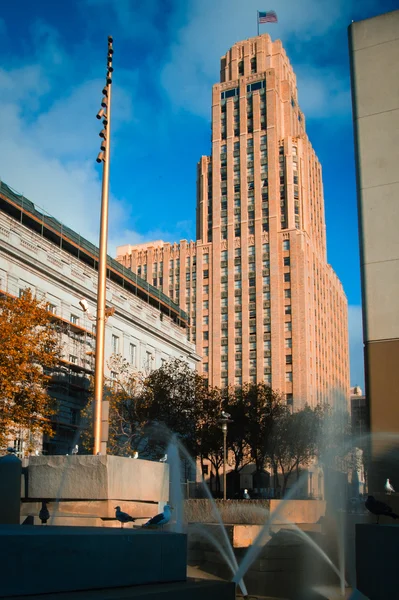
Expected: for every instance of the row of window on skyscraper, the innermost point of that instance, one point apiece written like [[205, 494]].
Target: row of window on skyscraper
[[236, 114], [252, 327]]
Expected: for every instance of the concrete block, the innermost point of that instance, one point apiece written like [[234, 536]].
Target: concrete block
[[377, 551], [245, 535], [10, 489], [61, 559], [298, 511], [98, 478], [193, 589], [93, 508]]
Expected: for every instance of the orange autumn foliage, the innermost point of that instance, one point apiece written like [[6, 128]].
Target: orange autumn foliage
[[29, 348]]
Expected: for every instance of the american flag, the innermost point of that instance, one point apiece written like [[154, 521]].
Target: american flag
[[267, 17]]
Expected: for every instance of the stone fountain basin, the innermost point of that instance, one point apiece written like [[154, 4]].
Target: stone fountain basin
[[45, 559]]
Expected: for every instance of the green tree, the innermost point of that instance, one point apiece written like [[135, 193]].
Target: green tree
[[128, 410], [29, 351], [235, 402], [264, 407], [293, 441]]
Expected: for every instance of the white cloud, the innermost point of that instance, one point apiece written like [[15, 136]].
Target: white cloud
[[355, 325], [50, 139], [213, 27]]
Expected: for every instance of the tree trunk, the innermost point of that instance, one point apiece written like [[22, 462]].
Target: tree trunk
[[275, 476]]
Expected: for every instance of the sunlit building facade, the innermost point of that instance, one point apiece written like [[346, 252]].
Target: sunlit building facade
[[264, 303], [60, 268]]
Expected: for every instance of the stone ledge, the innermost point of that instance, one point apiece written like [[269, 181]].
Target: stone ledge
[[66, 559], [377, 549], [193, 589]]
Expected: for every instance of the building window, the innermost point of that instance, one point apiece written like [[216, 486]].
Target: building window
[[288, 326], [205, 320], [287, 277], [206, 351], [286, 244], [206, 335], [115, 344], [74, 319], [51, 308], [288, 359], [73, 359], [288, 376], [205, 304], [206, 274], [132, 354], [287, 309], [287, 293], [288, 343], [206, 290], [286, 261]]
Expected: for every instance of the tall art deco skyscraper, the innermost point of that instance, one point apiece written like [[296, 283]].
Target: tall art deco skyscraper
[[264, 303]]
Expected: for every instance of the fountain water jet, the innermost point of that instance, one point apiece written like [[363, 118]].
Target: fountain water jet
[[216, 513]]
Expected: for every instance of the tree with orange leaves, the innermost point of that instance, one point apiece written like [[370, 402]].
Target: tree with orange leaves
[[29, 350]]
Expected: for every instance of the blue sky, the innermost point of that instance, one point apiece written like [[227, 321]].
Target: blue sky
[[166, 59]]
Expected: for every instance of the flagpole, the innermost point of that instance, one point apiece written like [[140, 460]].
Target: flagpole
[[257, 19]]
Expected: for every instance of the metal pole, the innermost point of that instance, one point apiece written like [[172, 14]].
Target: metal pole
[[100, 446], [224, 460]]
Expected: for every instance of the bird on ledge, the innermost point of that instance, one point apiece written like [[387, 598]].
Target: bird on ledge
[[161, 519], [388, 487], [379, 509], [44, 514], [122, 517]]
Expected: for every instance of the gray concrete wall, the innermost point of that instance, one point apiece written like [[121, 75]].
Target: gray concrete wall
[[375, 89], [374, 52]]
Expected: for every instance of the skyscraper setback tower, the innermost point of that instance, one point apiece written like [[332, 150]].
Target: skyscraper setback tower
[[264, 303]]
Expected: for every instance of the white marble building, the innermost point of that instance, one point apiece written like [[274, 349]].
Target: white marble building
[[147, 328]]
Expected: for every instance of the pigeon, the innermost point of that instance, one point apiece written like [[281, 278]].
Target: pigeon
[[44, 514], [164, 458], [246, 495], [122, 517], [225, 415], [388, 487], [161, 519], [135, 454], [379, 508], [75, 450]]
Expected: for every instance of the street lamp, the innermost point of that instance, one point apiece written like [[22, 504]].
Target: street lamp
[[84, 305], [104, 114], [224, 420]]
